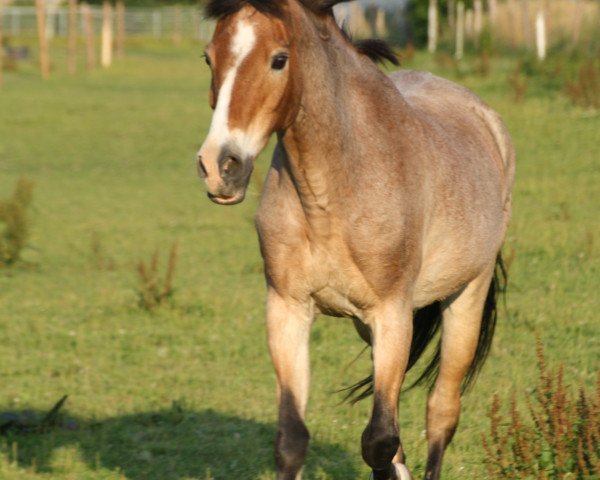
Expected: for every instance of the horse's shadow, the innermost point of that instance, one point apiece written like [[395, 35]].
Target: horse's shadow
[[170, 444]]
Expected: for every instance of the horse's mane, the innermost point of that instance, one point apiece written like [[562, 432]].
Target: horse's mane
[[376, 49], [222, 8]]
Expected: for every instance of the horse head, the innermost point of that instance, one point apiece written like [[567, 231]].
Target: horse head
[[253, 91]]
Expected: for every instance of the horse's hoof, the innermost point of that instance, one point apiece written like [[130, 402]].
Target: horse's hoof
[[402, 472]]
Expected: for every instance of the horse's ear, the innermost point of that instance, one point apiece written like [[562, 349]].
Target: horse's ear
[[322, 6], [327, 4]]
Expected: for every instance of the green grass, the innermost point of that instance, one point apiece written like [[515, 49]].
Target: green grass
[[188, 391]]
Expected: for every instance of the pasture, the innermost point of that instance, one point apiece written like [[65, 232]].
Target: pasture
[[187, 391]]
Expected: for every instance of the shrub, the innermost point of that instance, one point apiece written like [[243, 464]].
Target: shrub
[[153, 292], [561, 440], [15, 223]]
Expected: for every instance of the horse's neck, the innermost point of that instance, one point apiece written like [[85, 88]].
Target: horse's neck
[[325, 142], [313, 147]]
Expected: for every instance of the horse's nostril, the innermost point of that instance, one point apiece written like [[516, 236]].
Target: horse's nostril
[[231, 165], [201, 168]]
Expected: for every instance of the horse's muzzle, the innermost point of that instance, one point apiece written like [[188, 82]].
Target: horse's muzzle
[[226, 176], [227, 200]]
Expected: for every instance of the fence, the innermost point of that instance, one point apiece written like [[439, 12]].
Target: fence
[[511, 22], [185, 22], [567, 21]]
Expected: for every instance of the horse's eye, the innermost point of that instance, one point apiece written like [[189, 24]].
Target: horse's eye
[[279, 61], [207, 60]]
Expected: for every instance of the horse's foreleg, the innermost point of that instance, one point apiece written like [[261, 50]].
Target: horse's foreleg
[[392, 334], [460, 334], [288, 325]]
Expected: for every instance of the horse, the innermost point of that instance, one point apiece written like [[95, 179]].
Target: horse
[[387, 201]]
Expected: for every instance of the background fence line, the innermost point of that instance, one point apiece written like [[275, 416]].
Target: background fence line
[[512, 22], [183, 22]]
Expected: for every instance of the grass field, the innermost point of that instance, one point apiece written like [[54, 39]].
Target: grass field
[[187, 392]]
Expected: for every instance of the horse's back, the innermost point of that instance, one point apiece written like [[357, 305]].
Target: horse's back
[[455, 110]]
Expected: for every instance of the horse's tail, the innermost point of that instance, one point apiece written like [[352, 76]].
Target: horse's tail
[[426, 324]]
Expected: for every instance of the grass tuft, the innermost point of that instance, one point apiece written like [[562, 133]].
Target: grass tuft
[[15, 224], [154, 293]]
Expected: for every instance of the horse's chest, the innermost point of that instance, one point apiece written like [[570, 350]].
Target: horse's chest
[[339, 288], [332, 302]]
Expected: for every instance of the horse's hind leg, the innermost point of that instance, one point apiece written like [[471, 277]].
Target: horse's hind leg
[[462, 318], [288, 325]]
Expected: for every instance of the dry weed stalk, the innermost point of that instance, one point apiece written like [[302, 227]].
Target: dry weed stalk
[[407, 54], [584, 90], [562, 441], [152, 292], [14, 217], [101, 260], [518, 83]]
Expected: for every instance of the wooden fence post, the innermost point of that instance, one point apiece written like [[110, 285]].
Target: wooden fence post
[[42, 38], [577, 24], [177, 26], [90, 44], [432, 26], [107, 34], [492, 10], [469, 23], [545, 7], [526, 23], [478, 21], [196, 23], [120, 29], [157, 23], [1, 44], [380, 27], [540, 35], [72, 40], [513, 14], [460, 30], [451, 14]]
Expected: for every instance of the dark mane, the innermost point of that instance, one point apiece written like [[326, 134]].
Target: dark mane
[[221, 8], [377, 50], [218, 9]]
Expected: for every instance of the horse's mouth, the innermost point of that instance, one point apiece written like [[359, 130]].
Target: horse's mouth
[[227, 200]]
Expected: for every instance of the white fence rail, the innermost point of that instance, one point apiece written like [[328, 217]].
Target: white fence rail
[[186, 22]]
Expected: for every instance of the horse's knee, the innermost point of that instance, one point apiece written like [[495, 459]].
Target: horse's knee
[[292, 442], [380, 441]]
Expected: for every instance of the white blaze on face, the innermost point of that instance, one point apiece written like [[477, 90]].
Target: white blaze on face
[[220, 134]]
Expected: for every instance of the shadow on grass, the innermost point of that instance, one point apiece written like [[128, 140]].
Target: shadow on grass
[[169, 444]]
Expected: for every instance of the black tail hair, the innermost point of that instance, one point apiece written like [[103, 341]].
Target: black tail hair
[[426, 324]]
